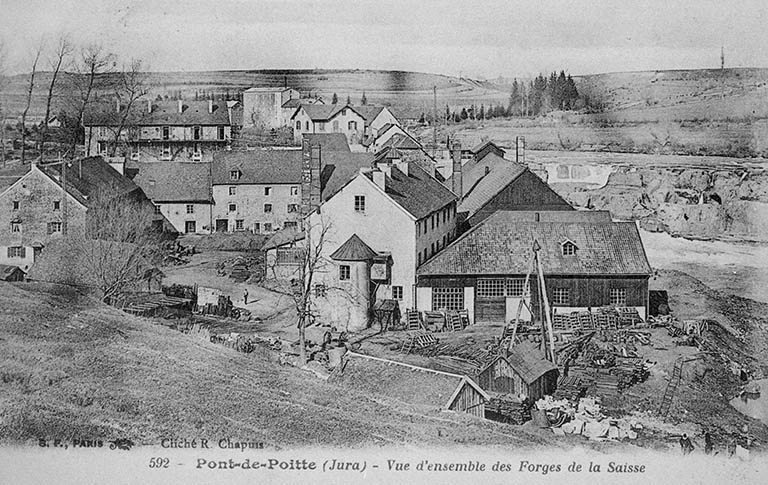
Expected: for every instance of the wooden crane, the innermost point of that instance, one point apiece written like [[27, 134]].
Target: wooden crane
[[547, 331]]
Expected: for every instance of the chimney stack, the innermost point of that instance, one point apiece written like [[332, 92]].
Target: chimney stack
[[149, 105], [181, 106], [117, 104], [457, 175], [520, 149], [310, 176], [379, 178], [402, 165], [210, 106]]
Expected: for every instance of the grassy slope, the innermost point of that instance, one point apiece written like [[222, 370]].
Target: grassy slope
[[70, 367]]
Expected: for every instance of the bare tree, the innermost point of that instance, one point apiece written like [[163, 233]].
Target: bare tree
[[92, 65], [58, 61], [119, 245], [31, 88], [129, 89], [3, 81]]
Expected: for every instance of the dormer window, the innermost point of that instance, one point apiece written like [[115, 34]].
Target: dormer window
[[569, 249], [234, 175]]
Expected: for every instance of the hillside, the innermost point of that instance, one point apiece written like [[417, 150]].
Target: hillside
[[404, 90], [71, 367], [684, 95]]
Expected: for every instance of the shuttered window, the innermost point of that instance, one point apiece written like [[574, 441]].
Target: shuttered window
[[17, 252]]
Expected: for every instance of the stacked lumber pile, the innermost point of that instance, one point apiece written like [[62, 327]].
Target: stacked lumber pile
[[601, 318], [606, 385], [571, 388], [507, 409], [629, 373], [241, 268], [435, 321]]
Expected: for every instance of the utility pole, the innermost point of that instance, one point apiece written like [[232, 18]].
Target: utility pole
[[434, 121]]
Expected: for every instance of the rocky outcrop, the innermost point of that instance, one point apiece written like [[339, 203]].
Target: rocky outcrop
[[692, 202]]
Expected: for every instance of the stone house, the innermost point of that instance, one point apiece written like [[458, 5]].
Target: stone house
[[269, 107]]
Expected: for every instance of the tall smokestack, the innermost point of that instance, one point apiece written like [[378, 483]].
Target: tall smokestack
[[310, 179], [520, 149], [456, 176]]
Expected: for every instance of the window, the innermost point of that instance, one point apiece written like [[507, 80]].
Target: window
[[294, 191], [53, 227], [447, 299], [233, 191], [197, 153], [344, 272], [618, 296], [166, 151], [267, 208], [335, 126], [432, 221], [290, 225], [321, 126], [56, 205], [289, 256], [419, 258], [166, 132], [190, 227], [196, 132], [432, 249], [190, 209], [221, 132], [102, 147], [135, 154], [490, 288], [15, 205], [232, 207], [352, 126], [267, 227], [561, 296], [293, 208], [569, 249], [320, 290], [306, 125], [256, 227], [17, 252], [239, 224], [516, 287], [298, 125], [359, 203], [15, 226], [234, 175], [157, 209], [344, 112], [397, 292], [267, 191]]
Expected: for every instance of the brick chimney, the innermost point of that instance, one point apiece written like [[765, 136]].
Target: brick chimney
[[310, 177], [181, 106], [456, 177], [520, 149]]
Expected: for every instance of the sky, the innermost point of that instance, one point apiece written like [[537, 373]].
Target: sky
[[454, 37]]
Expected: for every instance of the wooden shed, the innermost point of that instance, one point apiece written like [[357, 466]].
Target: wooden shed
[[412, 384], [11, 273], [524, 371]]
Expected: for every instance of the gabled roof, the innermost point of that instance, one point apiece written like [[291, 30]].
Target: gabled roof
[[175, 181], [85, 177], [283, 237], [354, 249], [322, 112], [164, 113], [403, 142], [502, 245], [369, 112], [293, 103], [257, 167], [339, 168], [527, 360], [335, 142], [7, 270], [488, 185], [559, 216], [418, 192], [480, 146], [404, 382]]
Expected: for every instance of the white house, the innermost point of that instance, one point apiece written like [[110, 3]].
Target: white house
[[329, 118], [375, 231], [376, 117]]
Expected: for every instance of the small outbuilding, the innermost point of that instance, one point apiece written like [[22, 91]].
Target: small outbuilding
[[11, 273], [524, 371], [412, 384]]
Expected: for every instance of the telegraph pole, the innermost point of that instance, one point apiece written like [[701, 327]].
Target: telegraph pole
[[434, 121]]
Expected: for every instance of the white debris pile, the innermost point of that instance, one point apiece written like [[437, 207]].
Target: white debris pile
[[587, 419]]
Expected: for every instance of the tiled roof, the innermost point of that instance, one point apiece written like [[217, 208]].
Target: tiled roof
[[529, 363], [369, 112], [335, 142], [476, 149], [418, 192], [88, 175], [484, 188], [502, 245], [257, 167], [282, 237], [293, 103], [322, 112], [163, 113], [338, 168], [354, 249], [175, 181], [404, 142], [559, 216]]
